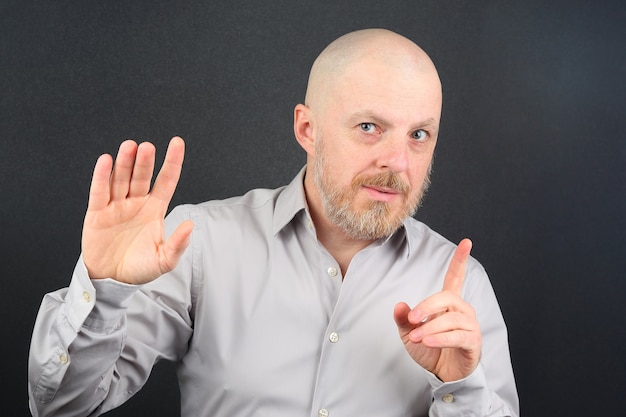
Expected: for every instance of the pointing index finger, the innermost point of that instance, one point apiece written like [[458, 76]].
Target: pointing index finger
[[455, 275]]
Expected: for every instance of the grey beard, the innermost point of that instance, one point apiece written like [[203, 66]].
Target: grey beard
[[375, 221]]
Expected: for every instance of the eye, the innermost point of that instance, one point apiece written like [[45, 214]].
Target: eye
[[420, 135], [368, 127]]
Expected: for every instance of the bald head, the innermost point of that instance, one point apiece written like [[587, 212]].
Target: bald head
[[363, 50]]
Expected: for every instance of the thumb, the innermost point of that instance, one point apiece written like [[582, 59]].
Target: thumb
[[175, 246], [401, 317]]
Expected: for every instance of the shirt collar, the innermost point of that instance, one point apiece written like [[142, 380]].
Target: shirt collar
[[408, 237], [290, 201], [293, 199]]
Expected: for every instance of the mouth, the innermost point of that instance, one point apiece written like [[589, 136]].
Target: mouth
[[384, 194]]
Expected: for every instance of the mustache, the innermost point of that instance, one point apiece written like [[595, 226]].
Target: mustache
[[384, 179]]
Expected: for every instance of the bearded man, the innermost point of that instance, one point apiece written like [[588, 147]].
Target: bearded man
[[321, 298]]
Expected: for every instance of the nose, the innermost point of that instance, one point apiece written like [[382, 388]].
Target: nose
[[394, 154]]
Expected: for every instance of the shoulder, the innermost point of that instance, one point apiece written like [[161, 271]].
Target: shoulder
[[421, 237], [426, 242], [254, 201]]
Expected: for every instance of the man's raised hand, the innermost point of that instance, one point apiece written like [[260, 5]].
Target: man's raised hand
[[123, 235], [441, 333]]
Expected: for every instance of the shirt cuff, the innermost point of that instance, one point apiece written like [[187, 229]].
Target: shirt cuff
[[108, 298], [468, 396]]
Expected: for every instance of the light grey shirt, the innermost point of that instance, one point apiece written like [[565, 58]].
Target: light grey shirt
[[261, 322]]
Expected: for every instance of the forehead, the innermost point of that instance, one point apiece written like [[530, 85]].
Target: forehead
[[388, 92]]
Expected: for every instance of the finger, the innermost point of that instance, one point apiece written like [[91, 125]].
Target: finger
[[453, 321], [448, 321], [123, 170], [99, 191], [455, 275], [463, 339], [436, 305], [166, 181], [430, 317], [143, 170]]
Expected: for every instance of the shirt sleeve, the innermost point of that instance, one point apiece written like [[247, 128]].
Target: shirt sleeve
[[469, 396], [95, 342], [490, 391], [68, 323]]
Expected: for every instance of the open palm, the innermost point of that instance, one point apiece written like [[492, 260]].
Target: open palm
[[123, 235]]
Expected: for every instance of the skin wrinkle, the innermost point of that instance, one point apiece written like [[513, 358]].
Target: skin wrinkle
[[429, 123]]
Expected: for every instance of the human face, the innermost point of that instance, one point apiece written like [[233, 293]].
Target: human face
[[374, 149]]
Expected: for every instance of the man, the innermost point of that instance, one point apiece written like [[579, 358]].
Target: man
[[287, 302]]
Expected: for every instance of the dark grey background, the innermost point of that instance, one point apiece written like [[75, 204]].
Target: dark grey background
[[530, 162]]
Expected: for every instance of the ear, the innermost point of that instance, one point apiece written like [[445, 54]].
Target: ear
[[304, 128]]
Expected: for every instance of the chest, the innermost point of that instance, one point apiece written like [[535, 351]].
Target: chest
[[278, 329]]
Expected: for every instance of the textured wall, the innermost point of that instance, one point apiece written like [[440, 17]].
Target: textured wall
[[530, 162]]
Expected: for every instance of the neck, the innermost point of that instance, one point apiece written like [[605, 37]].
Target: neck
[[341, 247]]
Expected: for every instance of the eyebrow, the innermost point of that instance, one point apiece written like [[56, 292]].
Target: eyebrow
[[370, 115]]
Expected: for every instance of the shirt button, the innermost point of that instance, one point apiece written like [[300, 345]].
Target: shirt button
[[448, 398], [323, 412], [333, 337], [63, 358], [332, 271], [86, 296]]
